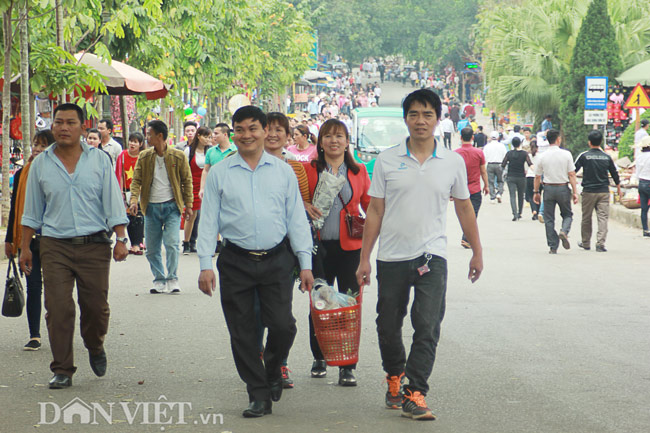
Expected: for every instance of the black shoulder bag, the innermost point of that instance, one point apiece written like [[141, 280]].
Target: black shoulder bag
[[14, 299]]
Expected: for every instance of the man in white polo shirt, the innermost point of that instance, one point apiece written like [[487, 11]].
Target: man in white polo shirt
[[556, 165], [410, 192]]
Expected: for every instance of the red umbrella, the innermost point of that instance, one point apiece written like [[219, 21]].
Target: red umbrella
[[122, 79]]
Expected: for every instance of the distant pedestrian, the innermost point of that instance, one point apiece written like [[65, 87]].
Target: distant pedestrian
[[189, 130], [124, 170], [547, 123], [515, 160], [112, 147], [162, 183], [558, 169], [74, 199], [643, 173], [454, 115], [530, 179], [595, 189], [476, 170], [639, 135], [13, 241], [494, 153], [447, 128], [480, 139]]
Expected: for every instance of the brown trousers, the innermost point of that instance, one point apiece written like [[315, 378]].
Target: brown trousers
[[64, 264], [600, 202]]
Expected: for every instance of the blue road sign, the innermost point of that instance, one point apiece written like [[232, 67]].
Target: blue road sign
[[596, 89]]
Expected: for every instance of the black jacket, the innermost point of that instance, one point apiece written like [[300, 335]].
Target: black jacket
[[596, 164]]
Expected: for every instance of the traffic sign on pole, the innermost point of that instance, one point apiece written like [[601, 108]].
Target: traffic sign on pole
[[595, 117], [596, 89], [638, 98]]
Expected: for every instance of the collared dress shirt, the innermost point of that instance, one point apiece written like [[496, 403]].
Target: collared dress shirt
[[254, 209], [67, 205]]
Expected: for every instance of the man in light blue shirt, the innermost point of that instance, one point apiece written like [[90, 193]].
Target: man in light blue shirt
[[74, 199], [253, 200]]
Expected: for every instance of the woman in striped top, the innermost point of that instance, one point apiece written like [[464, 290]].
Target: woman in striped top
[[275, 143]]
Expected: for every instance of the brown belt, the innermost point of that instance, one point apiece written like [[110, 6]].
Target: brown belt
[[556, 184]]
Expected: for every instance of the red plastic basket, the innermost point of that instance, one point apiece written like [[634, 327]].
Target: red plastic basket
[[338, 332]]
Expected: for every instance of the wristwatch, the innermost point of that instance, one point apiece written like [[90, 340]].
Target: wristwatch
[[535, 192], [124, 240]]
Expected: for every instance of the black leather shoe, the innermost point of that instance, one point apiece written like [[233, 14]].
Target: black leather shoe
[[98, 364], [276, 389], [319, 368], [346, 377], [257, 408], [60, 381]]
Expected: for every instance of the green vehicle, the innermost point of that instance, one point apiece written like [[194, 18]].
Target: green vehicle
[[374, 130]]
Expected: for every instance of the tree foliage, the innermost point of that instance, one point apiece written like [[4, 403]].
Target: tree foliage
[[434, 31], [596, 53], [527, 47]]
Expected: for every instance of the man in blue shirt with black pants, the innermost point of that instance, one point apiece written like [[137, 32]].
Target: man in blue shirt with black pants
[[74, 199], [252, 199]]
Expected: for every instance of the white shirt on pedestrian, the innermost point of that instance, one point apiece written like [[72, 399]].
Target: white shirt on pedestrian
[[113, 148], [161, 188], [638, 136], [494, 152], [555, 165], [447, 125], [643, 166], [416, 199]]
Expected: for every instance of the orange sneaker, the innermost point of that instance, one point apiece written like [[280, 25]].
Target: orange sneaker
[[414, 406], [286, 380], [394, 395]]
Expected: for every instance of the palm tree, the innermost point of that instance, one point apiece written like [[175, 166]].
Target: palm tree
[[527, 48]]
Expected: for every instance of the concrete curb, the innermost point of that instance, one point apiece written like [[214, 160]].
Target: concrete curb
[[625, 216]]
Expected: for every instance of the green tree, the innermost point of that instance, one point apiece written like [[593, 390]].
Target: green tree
[[596, 53], [527, 47]]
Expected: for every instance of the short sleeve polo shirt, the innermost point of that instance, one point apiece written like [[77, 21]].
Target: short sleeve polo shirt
[[416, 199]]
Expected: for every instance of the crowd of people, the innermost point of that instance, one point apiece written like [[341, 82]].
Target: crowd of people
[[530, 164], [247, 193], [260, 201]]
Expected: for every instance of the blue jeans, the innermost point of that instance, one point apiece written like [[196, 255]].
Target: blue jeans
[[644, 196], [162, 224]]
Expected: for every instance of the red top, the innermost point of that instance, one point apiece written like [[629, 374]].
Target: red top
[[474, 159], [360, 183], [196, 182], [124, 168]]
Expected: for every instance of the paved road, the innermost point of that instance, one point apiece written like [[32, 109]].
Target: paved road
[[540, 344]]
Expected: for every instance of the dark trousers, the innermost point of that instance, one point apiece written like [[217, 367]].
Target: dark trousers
[[530, 187], [516, 188], [557, 195], [88, 265], [476, 199], [340, 266], [644, 196], [447, 139], [34, 292], [135, 229], [428, 309], [195, 229], [272, 279]]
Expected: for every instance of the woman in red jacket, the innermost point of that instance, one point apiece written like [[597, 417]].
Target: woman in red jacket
[[342, 252]]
